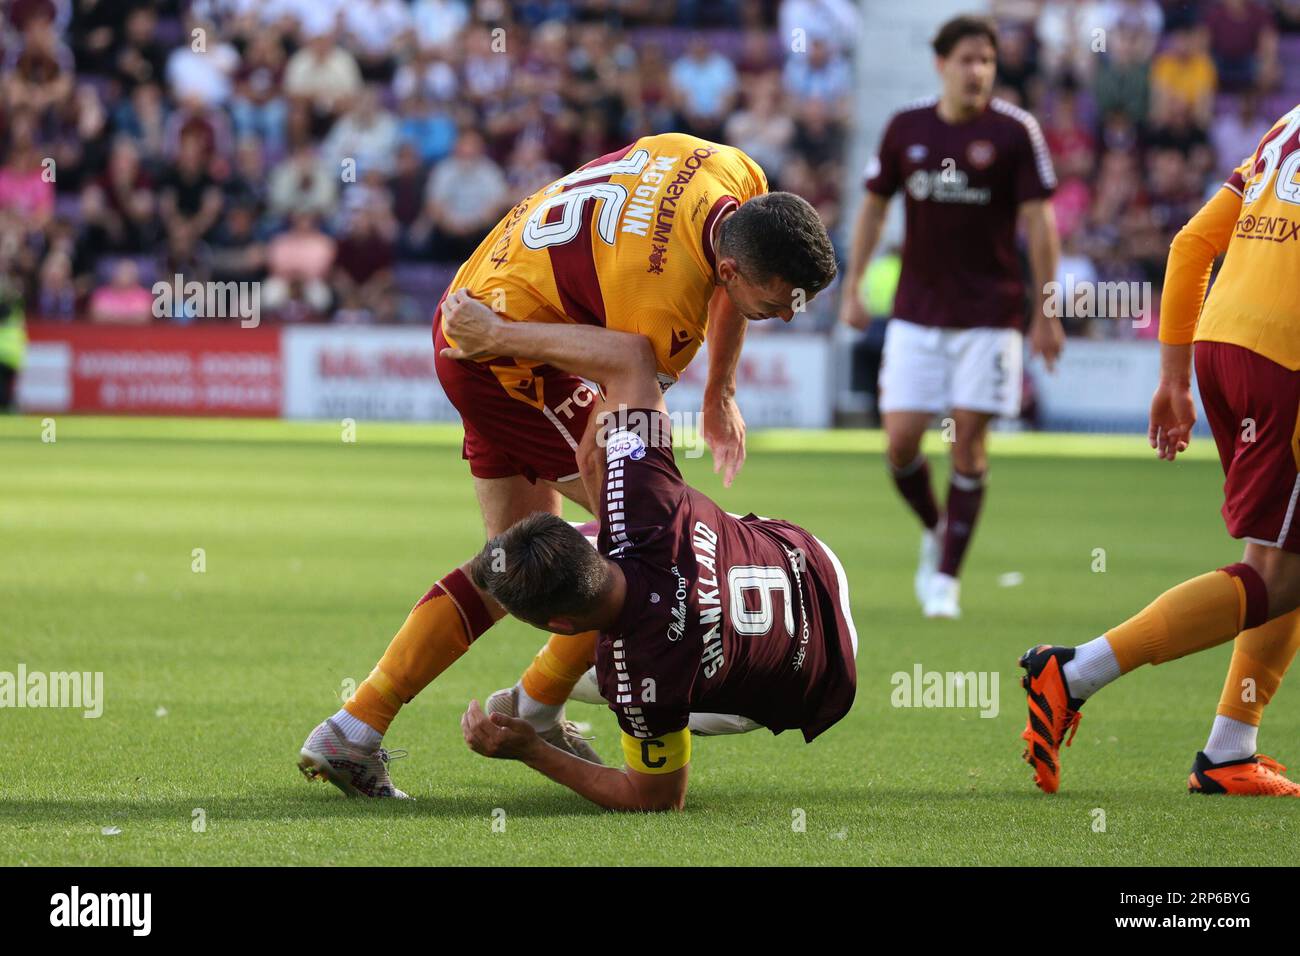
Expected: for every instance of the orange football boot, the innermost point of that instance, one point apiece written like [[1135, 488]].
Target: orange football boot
[[1256, 776], [1052, 712]]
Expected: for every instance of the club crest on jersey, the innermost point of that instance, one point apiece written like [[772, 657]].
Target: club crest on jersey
[[981, 154], [917, 152], [658, 253]]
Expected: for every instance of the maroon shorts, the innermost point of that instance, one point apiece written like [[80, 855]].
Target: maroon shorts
[[1253, 407], [518, 421]]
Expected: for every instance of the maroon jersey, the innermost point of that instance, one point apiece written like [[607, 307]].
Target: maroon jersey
[[723, 615], [964, 184]]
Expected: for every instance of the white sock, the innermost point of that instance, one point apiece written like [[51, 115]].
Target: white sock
[[356, 730], [1231, 740], [1094, 666], [541, 716]]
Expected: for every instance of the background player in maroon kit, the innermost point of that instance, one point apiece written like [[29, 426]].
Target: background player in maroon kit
[[742, 619], [971, 166]]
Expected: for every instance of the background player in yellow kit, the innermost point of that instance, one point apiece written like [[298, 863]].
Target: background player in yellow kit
[[674, 238], [1247, 355]]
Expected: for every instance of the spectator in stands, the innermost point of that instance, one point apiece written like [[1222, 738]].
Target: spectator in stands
[[247, 185], [236, 252], [365, 136], [819, 75], [1244, 44], [378, 31], [1184, 73], [258, 108], [189, 198], [41, 77], [485, 70], [299, 262], [529, 169], [301, 184], [124, 301], [704, 86], [465, 197], [142, 117], [1123, 77], [202, 70], [437, 23], [835, 21], [324, 75], [140, 59], [763, 127], [26, 182], [119, 207], [77, 140], [1236, 133], [1071, 37], [57, 297], [363, 269]]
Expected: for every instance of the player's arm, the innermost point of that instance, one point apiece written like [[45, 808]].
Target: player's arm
[[1046, 336], [867, 229], [622, 362], [1187, 275], [722, 425], [661, 786]]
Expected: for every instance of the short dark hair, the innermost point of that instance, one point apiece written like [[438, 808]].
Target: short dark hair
[[540, 568], [961, 27], [780, 235]]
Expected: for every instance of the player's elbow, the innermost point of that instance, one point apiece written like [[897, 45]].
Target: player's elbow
[[634, 358]]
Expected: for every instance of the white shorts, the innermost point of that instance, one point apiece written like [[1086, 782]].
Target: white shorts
[[934, 370]]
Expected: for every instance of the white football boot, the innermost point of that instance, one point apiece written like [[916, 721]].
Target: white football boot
[[941, 601], [928, 563], [357, 771], [563, 735]]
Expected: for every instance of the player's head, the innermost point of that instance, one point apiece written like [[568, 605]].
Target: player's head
[[544, 571], [773, 256], [966, 55]]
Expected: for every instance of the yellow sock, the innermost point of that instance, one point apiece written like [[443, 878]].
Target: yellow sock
[[1190, 617], [558, 665], [439, 629], [1260, 658]]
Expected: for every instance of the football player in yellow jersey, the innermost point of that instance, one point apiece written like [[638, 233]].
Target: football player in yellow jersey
[[672, 237], [1247, 355]]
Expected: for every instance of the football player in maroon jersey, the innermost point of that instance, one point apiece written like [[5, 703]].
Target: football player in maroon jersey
[[706, 620]]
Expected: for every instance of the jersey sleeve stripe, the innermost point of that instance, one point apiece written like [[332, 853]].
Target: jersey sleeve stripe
[[1042, 155]]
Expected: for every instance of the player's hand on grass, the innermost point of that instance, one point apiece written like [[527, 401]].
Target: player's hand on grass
[[506, 738], [1047, 338], [1173, 413], [723, 427], [471, 325]]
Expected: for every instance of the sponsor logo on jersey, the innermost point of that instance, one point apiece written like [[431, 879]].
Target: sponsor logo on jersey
[[981, 154], [946, 186], [624, 444], [1272, 228], [677, 627]]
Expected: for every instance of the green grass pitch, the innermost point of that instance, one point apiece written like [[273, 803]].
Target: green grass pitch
[[316, 548]]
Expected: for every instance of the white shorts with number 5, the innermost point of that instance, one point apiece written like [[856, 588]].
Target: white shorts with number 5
[[935, 370]]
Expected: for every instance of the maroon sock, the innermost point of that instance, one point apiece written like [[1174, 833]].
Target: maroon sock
[[913, 483], [965, 495]]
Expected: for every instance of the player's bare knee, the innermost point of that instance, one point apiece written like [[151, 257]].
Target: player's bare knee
[[1280, 572]]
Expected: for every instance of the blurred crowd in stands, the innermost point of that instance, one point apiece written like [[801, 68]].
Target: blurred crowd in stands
[[348, 154], [1148, 106]]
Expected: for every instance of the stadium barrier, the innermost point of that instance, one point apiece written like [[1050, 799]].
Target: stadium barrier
[[335, 372]]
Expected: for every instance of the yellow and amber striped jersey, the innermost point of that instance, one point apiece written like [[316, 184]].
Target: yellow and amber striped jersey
[[1255, 301], [625, 242]]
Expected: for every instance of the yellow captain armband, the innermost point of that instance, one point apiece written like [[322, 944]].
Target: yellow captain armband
[[663, 754]]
